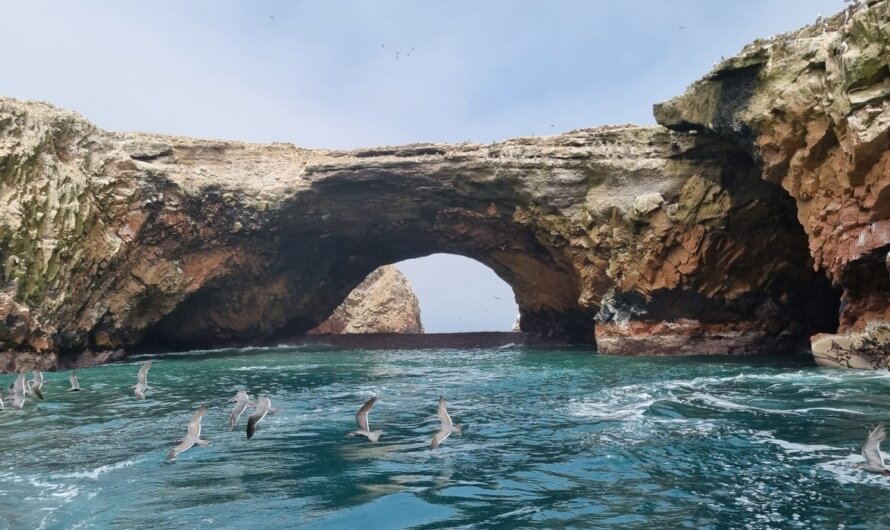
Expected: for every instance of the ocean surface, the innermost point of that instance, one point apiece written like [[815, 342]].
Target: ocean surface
[[552, 439]]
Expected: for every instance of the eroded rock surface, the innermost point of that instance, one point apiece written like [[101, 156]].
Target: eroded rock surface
[[111, 241], [383, 303], [812, 108]]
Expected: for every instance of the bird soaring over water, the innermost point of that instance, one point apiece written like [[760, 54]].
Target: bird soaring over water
[[361, 418], [263, 407], [193, 436], [871, 451], [445, 428], [75, 385], [242, 401], [35, 385], [18, 391], [142, 380]]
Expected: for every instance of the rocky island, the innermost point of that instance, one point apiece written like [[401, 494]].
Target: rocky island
[[754, 219]]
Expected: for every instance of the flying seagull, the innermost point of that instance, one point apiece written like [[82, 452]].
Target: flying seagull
[[871, 451], [35, 385], [361, 418], [263, 407], [142, 380], [193, 436], [75, 385], [241, 401], [446, 428], [18, 391]]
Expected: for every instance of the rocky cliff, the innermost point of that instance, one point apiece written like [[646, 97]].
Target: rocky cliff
[[647, 240], [811, 108], [383, 303]]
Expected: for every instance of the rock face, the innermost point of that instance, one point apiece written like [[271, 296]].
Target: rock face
[[659, 239], [383, 303], [812, 109]]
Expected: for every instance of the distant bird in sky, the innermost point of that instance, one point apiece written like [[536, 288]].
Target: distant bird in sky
[[75, 385], [142, 380], [271, 17], [361, 418], [446, 427], [682, 26], [193, 437], [871, 451]]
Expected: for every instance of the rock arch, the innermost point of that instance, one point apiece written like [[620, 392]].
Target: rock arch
[[640, 237]]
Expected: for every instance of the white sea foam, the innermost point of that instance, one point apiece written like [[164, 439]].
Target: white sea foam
[[721, 403], [793, 447], [616, 403], [99, 471], [61, 493]]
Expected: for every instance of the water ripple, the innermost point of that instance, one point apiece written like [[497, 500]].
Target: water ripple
[[552, 439]]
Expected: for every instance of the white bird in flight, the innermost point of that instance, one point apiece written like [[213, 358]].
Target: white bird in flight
[[193, 437], [263, 407], [445, 428], [242, 401], [871, 451], [18, 391], [35, 385], [142, 380], [361, 418], [75, 385]]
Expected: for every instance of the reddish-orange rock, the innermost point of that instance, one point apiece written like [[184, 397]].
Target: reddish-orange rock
[[812, 108]]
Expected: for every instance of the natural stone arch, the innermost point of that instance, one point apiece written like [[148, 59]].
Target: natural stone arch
[[637, 232], [330, 240]]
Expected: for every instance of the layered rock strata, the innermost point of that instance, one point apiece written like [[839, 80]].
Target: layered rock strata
[[113, 241], [812, 109], [383, 303]]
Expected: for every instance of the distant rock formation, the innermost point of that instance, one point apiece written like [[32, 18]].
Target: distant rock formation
[[383, 303], [812, 108]]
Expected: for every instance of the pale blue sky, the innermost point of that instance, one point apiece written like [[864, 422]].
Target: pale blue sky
[[325, 74]]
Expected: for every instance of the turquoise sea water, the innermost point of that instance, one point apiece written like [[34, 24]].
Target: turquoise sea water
[[552, 439]]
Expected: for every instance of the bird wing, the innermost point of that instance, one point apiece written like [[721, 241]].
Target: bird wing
[[182, 446], [444, 417], [236, 413], [361, 417], [871, 450], [440, 437], [142, 377], [18, 396], [194, 429], [253, 419]]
